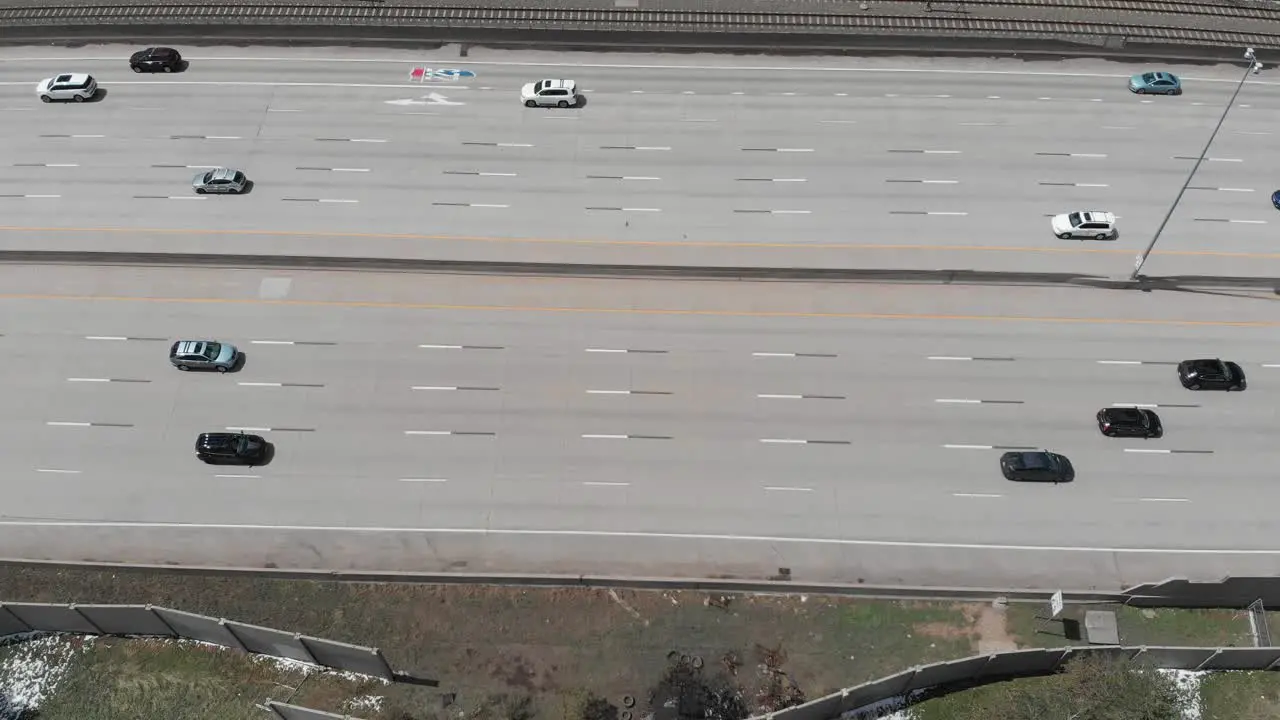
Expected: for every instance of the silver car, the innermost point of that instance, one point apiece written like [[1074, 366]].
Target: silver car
[[220, 180], [203, 355], [71, 86]]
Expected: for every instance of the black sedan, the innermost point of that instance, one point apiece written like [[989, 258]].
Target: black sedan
[[1211, 374], [156, 59], [227, 448], [1037, 466], [1129, 422]]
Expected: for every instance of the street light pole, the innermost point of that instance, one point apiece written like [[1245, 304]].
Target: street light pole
[[1254, 67]]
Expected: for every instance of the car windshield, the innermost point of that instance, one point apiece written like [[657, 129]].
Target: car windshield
[[239, 176], [1149, 77], [1075, 220], [240, 445], [211, 350]]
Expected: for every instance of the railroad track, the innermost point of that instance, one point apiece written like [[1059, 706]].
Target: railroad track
[[1248, 10], [637, 20]]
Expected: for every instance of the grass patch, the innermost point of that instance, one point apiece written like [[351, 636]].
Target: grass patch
[[1240, 696], [494, 647], [1137, 626]]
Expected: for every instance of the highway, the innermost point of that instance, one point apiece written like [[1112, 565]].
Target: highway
[[683, 159], [846, 432]]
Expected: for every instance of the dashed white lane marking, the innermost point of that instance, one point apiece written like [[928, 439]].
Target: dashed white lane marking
[[599, 436], [774, 396], [281, 110], [480, 174], [622, 177], [1222, 189], [52, 165], [799, 441], [451, 432], [1165, 451], [977, 495], [625, 209], [560, 117], [57, 471], [969, 401], [1151, 405], [281, 384], [926, 182], [838, 122], [624, 350], [1252, 132], [793, 355], [1117, 127], [474, 205], [929, 152], [498, 144], [774, 212], [968, 447], [245, 428], [1272, 365], [318, 200], [1230, 220], [651, 148], [628, 392], [1075, 155], [604, 483], [1074, 184], [423, 480], [1164, 499], [1119, 362], [1209, 159], [962, 358], [104, 380], [242, 477], [30, 196], [786, 488], [785, 150], [462, 347], [926, 212], [979, 124], [790, 180], [458, 388], [699, 120], [327, 169]]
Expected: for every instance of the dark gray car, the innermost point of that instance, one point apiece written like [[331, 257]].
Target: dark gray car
[[220, 180], [203, 355]]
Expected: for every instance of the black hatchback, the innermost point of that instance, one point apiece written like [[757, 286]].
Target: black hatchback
[[1129, 422], [231, 448], [156, 59], [1037, 466], [1210, 375]]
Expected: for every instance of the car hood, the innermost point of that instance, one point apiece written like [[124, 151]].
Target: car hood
[[44, 84], [199, 178], [226, 352], [140, 55], [527, 90], [1061, 223], [1137, 81]]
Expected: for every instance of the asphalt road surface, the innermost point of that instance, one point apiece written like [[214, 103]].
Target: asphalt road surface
[[845, 432], [689, 159]]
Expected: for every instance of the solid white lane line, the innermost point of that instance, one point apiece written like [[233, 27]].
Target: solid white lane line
[[423, 480], [88, 379], [958, 401], [977, 495], [969, 447], [786, 488], [58, 471], [602, 483]]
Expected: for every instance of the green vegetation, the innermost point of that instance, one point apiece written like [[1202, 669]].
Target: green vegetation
[[1240, 696], [1092, 688]]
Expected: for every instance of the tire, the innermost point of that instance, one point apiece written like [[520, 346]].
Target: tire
[[1193, 386], [1064, 236], [136, 68], [167, 68], [531, 103], [201, 191], [183, 368], [562, 104], [45, 98], [78, 98], [222, 368], [1141, 91], [1101, 236]]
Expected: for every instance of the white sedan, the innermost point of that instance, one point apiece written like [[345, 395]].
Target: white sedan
[[550, 93], [1084, 224], [71, 86]]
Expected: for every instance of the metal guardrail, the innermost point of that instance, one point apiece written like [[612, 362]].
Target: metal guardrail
[[616, 20]]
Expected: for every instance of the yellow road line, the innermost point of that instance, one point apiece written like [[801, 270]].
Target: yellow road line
[[658, 311], [637, 243]]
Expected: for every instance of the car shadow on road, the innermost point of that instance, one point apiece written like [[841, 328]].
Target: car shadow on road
[[582, 102], [98, 96]]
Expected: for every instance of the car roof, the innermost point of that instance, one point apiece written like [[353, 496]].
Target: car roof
[[1098, 216], [1126, 414], [189, 347], [557, 84], [223, 174], [71, 78]]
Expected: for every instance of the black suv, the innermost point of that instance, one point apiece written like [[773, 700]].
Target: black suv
[[1129, 422], [155, 59], [231, 448], [1037, 466], [1210, 375]]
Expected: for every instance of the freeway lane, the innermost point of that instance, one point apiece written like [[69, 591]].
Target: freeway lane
[[712, 163], [671, 411]]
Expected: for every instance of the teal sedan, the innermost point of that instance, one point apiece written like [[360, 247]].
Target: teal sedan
[[1155, 83]]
